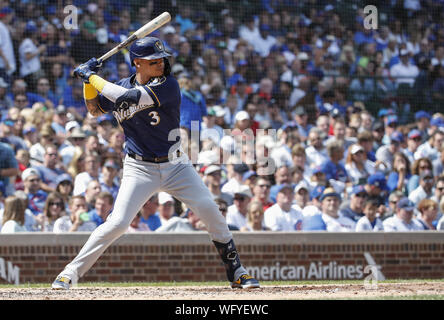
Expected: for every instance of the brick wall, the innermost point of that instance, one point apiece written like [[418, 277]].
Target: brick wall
[[192, 257]]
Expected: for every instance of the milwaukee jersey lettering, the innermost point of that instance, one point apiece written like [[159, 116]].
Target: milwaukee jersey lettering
[[147, 126]]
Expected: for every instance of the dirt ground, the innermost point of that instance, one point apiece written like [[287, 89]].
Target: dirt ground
[[266, 292]]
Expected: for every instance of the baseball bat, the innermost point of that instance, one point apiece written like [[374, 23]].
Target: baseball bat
[[143, 31]]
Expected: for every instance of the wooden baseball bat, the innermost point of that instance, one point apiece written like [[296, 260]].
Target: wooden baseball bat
[[143, 31]]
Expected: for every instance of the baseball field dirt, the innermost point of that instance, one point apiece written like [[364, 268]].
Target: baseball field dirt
[[392, 290]]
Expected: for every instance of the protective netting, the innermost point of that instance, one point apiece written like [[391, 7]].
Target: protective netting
[[369, 76]]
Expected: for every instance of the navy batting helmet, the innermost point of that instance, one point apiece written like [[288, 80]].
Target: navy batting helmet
[[148, 48]]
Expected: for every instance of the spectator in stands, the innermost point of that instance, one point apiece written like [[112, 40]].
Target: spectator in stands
[[77, 220], [92, 145], [136, 225], [50, 170], [335, 172], [189, 221], [7, 135], [37, 151], [333, 219], [103, 205], [77, 164], [75, 139], [281, 176], [370, 221], [439, 193], [44, 90], [425, 188], [7, 54], [428, 212], [422, 120], [193, 105], [281, 216], [110, 171], [104, 127], [403, 219], [261, 192], [65, 187], [393, 199], [431, 149], [166, 207], [237, 212], [235, 182], [354, 209], [223, 207], [358, 167], [301, 195], [378, 129], [418, 167], [54, 209], [339, 134], [399, 177], [255, 217], [314, 206], [316, 152], [414, 140], [385, 153], [92, 166], [149, 214], [365, 140], [85, 44], [116, 142], [301, 118], [404, 72], [29, 56], [213, 176], [74, 102], [13, 215], [36, 196], [93, 189]]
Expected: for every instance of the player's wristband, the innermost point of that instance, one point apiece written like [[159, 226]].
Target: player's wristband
[[108, 89], [97, 82], [89, 92]]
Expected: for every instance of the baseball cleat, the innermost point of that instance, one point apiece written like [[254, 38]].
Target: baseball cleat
[[245, 281], [61, 283]]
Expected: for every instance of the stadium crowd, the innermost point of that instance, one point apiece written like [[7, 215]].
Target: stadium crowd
[[356, 112]]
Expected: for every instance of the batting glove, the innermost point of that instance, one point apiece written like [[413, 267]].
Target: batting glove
[[87, 69]]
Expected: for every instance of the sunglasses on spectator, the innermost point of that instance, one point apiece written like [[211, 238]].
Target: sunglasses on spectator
[[440, 189], [361, 195], [424, 167], [223, 209], [239, 198], [58, 204]]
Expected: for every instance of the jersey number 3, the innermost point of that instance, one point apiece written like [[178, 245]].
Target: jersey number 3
[[155, 116]]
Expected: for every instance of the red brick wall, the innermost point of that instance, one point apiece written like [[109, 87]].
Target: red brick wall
[[192, 257]]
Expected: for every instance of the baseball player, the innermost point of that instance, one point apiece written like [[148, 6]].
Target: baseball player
[[147, 107]]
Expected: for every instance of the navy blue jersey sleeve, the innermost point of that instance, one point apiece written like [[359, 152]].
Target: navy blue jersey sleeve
[[105, 105], [164, 91]]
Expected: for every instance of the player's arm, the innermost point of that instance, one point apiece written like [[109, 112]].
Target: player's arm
[[95, 84], [91, 96]]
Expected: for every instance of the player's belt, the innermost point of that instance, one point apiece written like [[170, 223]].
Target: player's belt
[[155, 160]]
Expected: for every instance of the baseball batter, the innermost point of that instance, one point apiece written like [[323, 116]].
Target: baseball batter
[[147, 107]]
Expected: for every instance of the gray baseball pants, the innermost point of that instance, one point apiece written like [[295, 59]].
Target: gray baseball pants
[[139, 182]]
